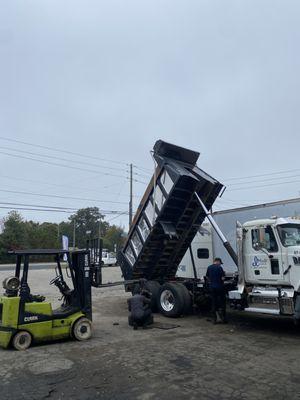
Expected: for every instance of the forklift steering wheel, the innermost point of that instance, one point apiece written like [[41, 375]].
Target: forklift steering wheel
[[54, 280]]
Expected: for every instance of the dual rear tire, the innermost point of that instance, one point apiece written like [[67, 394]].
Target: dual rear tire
[[174, 300], [171, 299]]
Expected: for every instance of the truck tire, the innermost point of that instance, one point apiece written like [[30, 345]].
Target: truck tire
[[153, 287], [171, 301], [82, 329], [22, 340], [136, 289], [187, 298]]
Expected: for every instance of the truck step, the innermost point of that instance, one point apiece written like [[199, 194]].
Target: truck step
[[262, 310]]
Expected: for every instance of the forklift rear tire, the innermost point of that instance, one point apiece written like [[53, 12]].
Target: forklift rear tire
[[82, 329], [22, 340]]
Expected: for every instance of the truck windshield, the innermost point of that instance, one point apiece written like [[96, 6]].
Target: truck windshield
[[289, 234]]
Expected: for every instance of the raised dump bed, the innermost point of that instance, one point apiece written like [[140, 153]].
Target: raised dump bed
[[161, 234]]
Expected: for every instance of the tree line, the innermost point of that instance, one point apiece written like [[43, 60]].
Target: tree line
[[18, 233]]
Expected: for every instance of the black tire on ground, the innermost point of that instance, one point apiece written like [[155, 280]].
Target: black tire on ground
[[136, 289], [187, 298], [153, 287], [171, 302]]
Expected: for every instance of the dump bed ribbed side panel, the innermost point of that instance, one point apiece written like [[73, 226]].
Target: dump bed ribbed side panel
[[168, 216]]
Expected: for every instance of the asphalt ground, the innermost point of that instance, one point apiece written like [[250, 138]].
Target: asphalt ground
[[252, 357]]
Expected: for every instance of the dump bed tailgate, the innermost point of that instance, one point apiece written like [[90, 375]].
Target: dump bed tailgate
[[161, 234]]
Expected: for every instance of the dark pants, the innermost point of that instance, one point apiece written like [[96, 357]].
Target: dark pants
[[218, 302], [142, 320]]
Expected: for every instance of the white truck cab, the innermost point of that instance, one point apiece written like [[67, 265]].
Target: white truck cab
[[271, 251], [269, 267]]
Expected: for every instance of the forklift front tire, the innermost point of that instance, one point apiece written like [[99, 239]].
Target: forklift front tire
[[82, 329], [22, 340]]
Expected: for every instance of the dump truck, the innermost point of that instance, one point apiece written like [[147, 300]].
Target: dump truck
[[170, 214], [176, 202]]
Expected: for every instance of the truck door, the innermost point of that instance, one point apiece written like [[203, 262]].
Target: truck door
[[260, 266]]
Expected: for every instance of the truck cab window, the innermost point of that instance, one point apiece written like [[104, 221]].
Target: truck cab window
[[265, 237], [289, 234]]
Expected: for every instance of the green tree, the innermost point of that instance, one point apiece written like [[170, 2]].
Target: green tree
[[13, 236], [88, 220], [114, 235], [20, 234]]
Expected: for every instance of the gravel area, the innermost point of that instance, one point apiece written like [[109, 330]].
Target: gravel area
[[253, 357]]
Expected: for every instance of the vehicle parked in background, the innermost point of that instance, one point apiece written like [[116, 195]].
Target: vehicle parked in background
[[108, 258]]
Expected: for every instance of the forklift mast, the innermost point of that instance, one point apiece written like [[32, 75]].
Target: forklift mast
[[95, 249], [82, 282]]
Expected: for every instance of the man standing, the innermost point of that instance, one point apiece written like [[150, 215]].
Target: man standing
[[216, 276]]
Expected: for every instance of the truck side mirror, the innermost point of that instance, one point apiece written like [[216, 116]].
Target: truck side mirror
[[257, 246]]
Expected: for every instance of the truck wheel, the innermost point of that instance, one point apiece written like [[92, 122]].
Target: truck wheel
[[82, 329], [153, 287], [187, 298], [22, 340], [170, 300]]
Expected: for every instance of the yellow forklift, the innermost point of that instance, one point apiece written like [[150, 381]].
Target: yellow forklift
[[27, 318]]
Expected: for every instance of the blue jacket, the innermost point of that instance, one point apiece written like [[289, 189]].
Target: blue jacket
[[215, 273]]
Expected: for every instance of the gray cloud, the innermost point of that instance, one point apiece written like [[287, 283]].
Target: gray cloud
[[108, 78]]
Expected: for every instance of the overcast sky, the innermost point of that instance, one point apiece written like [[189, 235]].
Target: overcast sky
[[108, 78]]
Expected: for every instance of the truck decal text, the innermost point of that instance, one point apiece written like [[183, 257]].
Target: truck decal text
[[258, 262]]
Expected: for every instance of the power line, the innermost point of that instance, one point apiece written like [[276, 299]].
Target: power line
[[61, 197], [61, 151], [264, 180], [261, 175], [61, 159], [117, 216], [146, 170], [136, 180], [142, 175], [62, 165], [35, 209], [261, 186], [64, 185], [104, 212], [38, 205]]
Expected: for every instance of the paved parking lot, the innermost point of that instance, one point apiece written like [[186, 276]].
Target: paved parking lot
[[252, 357]]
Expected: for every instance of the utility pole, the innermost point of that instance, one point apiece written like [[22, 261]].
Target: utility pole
[[74, 232], [131, 195]]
